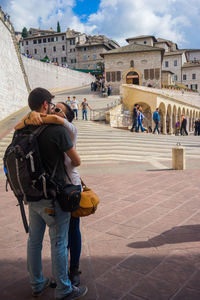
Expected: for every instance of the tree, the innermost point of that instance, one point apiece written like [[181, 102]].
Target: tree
[[100, 66], [58, 27], [24, 32]]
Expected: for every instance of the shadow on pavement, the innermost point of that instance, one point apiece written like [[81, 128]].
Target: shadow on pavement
[[179, 234]]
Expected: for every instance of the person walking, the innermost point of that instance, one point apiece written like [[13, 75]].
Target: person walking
[[109, 90], [140, 120], [156, 119], [75, 106], [84, 106], [183, 126], [68, 101], [54, 141], [135, 118]]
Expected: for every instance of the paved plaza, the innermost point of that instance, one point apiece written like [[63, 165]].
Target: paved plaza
[[143, 243]]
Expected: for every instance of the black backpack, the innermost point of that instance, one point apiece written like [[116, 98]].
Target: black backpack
[[24, 170]]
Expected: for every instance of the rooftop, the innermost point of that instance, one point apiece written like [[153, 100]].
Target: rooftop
[[133, 48]]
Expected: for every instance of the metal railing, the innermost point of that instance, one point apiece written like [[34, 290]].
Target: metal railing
[[99, 114]]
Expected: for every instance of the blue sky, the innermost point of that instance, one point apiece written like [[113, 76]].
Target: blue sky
[[176, 20]]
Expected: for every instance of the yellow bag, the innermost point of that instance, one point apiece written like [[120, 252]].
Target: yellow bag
[[88, 203]]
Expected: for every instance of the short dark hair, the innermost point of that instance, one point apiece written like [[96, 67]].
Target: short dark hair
[[68, 111], [37, 97]]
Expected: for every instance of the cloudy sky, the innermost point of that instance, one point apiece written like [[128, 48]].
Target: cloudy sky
[[176, 20]]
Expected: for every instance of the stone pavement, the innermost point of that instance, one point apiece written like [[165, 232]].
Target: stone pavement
[[142, 243]]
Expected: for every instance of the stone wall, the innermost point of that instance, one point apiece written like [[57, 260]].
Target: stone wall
[[53, 77], [13, 87]]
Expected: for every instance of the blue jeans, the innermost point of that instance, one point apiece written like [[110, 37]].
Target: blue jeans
[[76, 113], [140, 125], [58, 232], [84, 113], [156, 127], [74, 243]]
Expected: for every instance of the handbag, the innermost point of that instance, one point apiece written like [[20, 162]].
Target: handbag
[[88, 202], [69, 197]]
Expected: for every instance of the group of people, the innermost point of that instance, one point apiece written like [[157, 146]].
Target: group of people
[[181, 127], [197, 127], [74, 105], [99, 85], [138, 119], [57, 144]]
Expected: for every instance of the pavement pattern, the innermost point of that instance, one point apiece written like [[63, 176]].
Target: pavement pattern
[[142, 243]]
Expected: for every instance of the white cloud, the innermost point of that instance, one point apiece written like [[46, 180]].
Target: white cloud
[[118, 19]]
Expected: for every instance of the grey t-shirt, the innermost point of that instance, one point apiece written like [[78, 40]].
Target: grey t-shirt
[[71, 170]]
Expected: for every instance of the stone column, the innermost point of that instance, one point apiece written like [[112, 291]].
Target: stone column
[[164, 124], [170, 124]]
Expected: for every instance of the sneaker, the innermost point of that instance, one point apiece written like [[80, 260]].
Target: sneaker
[[39, 293], [74, 276], [76, 293]]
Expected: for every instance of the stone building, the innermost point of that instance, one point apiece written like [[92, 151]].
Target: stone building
[[88, 53], [178, 66], [139, 64], [71, 48]]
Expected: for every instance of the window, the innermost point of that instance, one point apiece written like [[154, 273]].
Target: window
[[35, 51], [107, 76], [175, 78], [63, 47], [194, 87], [49, 40], [56, 39], [85, 57], [63, 37], [94, 56], [30, 32], [63, 59], [44, 40], [132, 63], [26, 42], [73, 60], [45, 50], [157, 73], [151, 74], [54, 48], [118, 75], [27, 52], [34, 41], [52, 39], [85, 67], [113, 76], [95, 66], [55, 59], [22, 43], [175, 63], [184, 77], [85, 49], [39, 41], [193, 76], [166, 64], [146, 74], [145, 42], [72, 42]]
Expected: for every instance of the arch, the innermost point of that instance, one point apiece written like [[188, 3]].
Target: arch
[[196, 114], [133, 72], [183, 111], [179, 114]]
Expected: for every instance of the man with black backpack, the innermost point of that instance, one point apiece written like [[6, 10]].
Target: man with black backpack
[[53, 142]]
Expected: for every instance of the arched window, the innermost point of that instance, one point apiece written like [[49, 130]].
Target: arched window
[[132, 63]]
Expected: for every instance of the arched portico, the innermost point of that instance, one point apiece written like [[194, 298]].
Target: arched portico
[[132, 76]]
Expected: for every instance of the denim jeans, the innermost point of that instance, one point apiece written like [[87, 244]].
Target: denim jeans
[[156, 127], [74, 244], [76, 113], [84, 113], [140, 125], [58, 232]]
